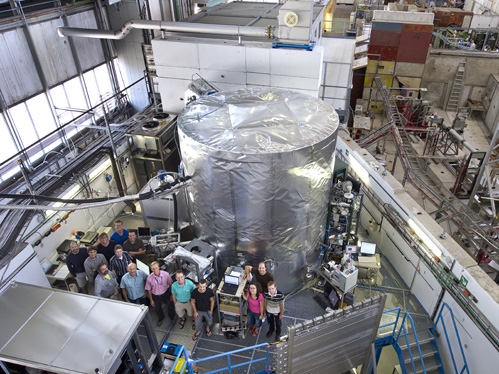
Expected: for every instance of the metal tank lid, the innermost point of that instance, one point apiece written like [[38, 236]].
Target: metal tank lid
[[258, 120]]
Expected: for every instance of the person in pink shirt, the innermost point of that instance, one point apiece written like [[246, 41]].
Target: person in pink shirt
[[256, 310], [158, 287]]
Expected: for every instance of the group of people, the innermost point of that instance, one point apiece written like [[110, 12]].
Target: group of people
[[103, 266], [110, 269], [264, 300]]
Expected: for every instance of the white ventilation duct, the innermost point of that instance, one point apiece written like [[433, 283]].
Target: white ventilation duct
[[183, 27]]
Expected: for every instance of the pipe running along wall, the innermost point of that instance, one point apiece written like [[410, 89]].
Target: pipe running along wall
[[183, 27]]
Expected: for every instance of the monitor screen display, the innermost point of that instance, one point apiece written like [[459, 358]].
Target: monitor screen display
[[351, 249], [367, 248], [333, 298], [231, 280], [144, 231], [142, 266]]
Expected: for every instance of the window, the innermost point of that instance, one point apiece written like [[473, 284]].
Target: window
[[60, 101], [22, 120], [92, 87], [33, 119], [75, 95], [41, 115], [8, 147]]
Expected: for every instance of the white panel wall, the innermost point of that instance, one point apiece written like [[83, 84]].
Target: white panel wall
[[228, 66], [338, 59], [426, 288], [23, 268], [480, 354], [398, 253], [484, 21]]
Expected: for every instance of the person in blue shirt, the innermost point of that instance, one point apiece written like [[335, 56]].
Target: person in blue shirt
[[133, 285], [120, 235], [181, 294]]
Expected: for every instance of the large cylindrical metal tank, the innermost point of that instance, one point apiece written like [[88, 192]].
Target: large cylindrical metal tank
[[261, 162]]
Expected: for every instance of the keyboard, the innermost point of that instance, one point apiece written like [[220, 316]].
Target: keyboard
[[230, 289]]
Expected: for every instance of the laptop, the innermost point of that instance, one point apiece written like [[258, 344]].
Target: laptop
[[144, 233], [48, 267], [231, 284]]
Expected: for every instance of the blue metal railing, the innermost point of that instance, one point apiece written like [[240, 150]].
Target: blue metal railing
[[190, 364], [439, 318], [394, 323], [402, 327]]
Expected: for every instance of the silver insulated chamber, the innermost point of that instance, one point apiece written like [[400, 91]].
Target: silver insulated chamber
[[261, 162]]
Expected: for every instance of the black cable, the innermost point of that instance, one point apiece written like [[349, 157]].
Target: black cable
[[142, 196]]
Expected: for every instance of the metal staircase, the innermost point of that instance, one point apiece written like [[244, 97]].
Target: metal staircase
[[420, 353], [417, 349], [457, 87]]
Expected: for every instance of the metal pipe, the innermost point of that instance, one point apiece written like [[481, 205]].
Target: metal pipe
[[259, 32], [458, 137]]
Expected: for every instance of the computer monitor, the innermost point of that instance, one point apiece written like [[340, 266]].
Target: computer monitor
[[142, 266], [367, 248], [229, 279], [143, 231], [351, 249], [333, 299]]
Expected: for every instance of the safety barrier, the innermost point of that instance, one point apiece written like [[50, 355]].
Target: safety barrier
[[440, 319], [190, 364]]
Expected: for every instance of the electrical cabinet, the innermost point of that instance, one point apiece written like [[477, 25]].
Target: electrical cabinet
[[153, 148], [490, 101]]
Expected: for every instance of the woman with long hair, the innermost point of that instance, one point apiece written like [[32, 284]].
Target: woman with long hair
[[256, 309]]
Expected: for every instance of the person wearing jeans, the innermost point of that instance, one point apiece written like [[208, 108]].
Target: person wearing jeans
[[202, 301], [274, 305], [256, 308]]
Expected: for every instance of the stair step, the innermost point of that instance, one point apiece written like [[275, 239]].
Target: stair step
[[423, 337], [430, 363], [427, 349]]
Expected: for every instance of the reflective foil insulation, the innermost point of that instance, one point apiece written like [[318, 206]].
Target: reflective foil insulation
[[261, 162]]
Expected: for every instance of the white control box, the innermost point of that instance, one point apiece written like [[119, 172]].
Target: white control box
[[344, 280]]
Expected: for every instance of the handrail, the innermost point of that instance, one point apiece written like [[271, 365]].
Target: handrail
[[229, 367], [392, 323], [439, 318], [182, 351], [407, 341]]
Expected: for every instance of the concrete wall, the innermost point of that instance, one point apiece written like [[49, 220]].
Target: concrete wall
[[440, 71]]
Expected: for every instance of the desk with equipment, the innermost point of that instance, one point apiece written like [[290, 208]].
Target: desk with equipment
[[55, 267], [357, 265], [368, 263], [231, 302]]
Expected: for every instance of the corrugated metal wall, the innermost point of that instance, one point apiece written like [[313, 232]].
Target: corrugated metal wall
[[89, 50], [19, 78], [53, 51]]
